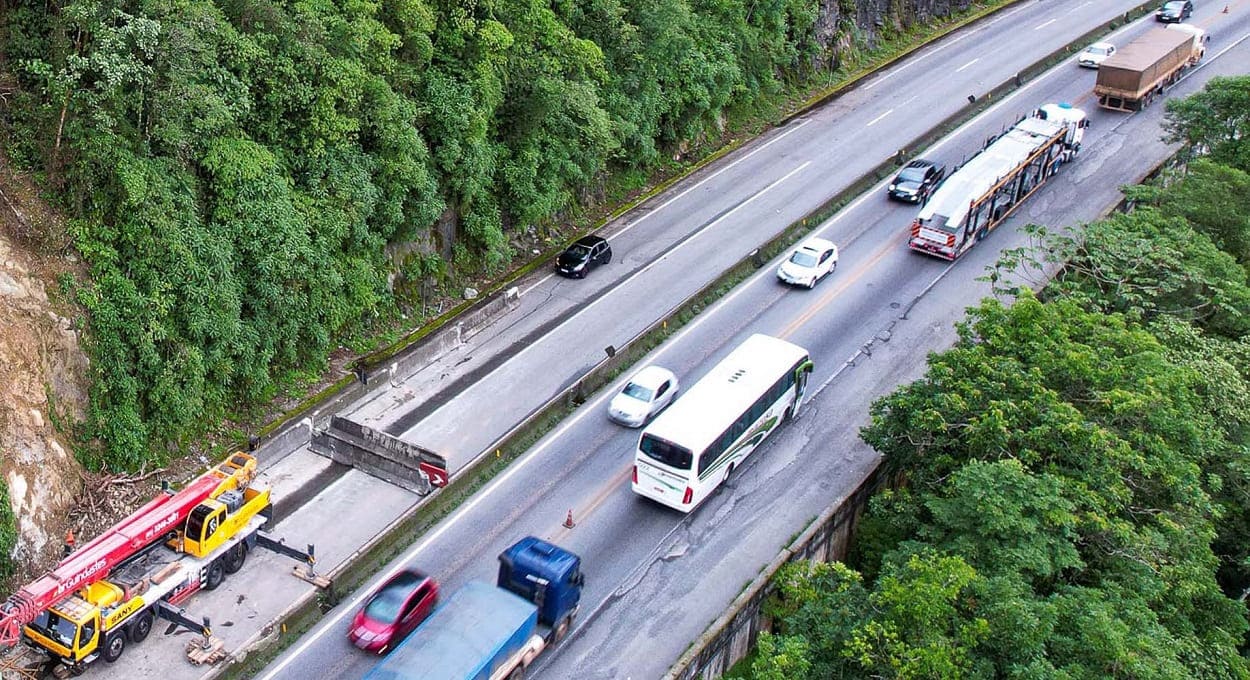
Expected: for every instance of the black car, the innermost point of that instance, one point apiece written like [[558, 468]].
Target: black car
[[585, 254], [1174, 11], [917, 180]]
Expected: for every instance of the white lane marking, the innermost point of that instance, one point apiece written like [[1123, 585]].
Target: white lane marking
[[332, 622], [1041, 26], [640, 272], [967, 64], [581, 413], [919, 57], [698, 184], [876, 120]]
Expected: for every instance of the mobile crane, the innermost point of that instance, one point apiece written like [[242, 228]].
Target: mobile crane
[[109, 592]]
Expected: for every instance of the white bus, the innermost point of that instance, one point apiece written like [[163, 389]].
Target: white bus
[[698, 442]]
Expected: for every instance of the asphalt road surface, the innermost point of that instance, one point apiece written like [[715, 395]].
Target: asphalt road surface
[[656, 579]]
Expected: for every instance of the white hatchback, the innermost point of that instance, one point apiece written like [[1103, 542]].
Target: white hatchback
[[1094, 55], [644, 396], [809, 263]]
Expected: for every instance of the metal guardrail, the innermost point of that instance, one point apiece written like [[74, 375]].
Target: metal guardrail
[[305, 611]]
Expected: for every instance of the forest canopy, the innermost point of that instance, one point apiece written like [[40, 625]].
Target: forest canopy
[[236, 171], [1074, 489]]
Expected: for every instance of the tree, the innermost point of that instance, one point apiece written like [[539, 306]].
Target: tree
[[1143, 264], [1097, 442], [923, 623], [1226, 219], [1215, 121], [781, 657]]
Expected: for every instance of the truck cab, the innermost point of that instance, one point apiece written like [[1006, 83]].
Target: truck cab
[[547, 575], [70, 630], [1069, 116]]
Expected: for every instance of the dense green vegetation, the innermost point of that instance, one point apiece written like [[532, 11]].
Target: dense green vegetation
[[1074, 475], [235, 170]]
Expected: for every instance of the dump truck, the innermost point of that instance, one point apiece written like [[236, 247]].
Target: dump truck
[[485, 632], [109, 592], [1130, 79], [989, 186]]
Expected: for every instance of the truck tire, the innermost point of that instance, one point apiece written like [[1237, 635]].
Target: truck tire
[[517, 673], [141, 627], [233, 560], [562, 629], [216, 572], [114, 645]]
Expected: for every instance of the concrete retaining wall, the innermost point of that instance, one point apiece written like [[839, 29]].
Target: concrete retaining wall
[[732, 636], [297, 429]]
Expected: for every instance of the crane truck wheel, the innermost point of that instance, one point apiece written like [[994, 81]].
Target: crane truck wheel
[[215, 575], [141, 627], [517, 673], [233, 560], [114, 645]]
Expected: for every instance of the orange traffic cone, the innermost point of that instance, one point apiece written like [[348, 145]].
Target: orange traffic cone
[[568, 521]]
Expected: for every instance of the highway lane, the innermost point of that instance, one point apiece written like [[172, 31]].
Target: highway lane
[[665, 253], [633, 547]]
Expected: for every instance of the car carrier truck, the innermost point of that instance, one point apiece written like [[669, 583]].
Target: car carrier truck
[[1131, 78], [988, 187], [109, 592], [485, 632]]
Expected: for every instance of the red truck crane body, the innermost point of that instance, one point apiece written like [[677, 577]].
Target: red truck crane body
[[94, 560]]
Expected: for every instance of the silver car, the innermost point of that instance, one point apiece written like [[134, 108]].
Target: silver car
[[650, 391]]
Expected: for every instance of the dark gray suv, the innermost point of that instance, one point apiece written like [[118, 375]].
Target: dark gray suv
[[917, 180], [1175, 11]]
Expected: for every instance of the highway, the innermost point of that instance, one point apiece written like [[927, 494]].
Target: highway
[[656, 579]]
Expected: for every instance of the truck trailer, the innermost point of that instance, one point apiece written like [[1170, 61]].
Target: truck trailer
[[988, 187], [1131, 78], [485, 632]]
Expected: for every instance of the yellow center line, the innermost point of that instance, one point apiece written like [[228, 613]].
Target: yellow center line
[[581, 513], [845, 282]]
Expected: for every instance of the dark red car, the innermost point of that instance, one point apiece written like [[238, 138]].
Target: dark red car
[[393, 611]]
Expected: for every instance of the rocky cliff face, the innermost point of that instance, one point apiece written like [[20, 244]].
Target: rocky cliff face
[[43, 376], [844, 21]]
